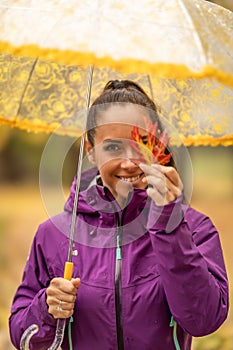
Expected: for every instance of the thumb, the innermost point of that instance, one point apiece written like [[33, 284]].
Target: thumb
[[76, 282], [123, 188]]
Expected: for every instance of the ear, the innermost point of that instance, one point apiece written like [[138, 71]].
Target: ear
[[90, 152]]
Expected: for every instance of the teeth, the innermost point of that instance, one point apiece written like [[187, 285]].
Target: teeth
[[130, 179]]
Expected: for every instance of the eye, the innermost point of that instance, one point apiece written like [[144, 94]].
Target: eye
[[112, 147]]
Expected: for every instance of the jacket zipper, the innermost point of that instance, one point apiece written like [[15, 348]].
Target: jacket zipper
[[120, 339]]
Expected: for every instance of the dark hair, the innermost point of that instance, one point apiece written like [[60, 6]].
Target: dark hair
[[121, 91]]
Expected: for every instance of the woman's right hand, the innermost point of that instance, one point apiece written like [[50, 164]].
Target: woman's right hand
[[61, 295]]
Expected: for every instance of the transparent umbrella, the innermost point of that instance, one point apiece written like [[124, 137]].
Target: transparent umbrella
[[55, 56], [179, 50]]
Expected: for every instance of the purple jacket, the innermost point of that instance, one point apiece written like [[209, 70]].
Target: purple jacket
[[138, 267]]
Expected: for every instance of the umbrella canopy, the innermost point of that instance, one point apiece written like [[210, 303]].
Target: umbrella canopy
[[180, 51]]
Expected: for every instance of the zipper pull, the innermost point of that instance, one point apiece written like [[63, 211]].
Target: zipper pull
[[118, 249], [118, 253], [172, 322]]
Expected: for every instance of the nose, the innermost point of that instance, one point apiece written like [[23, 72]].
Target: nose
[[129, 158], [131, 153], [128, 163]]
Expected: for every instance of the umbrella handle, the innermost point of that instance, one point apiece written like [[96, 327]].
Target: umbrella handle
[[61, 322], [68, 270], [26, 337], [60, 329]]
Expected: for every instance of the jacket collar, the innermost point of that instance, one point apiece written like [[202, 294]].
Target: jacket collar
[[98, 199]]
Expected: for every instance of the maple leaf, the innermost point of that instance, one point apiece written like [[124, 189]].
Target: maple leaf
[[153, 149]]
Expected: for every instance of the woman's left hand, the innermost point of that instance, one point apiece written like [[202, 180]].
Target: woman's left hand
[[164, 183]]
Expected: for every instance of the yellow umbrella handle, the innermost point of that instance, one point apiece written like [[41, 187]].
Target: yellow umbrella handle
[[61, 322], [68, 270], [30, 331]]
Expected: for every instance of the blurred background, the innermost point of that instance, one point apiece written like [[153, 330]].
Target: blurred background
[[22, 210]]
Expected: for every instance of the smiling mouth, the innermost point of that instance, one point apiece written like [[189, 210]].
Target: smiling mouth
[[130, 179]]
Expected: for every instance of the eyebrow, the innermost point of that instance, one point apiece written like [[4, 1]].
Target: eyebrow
[[144, 138], [112, 140]]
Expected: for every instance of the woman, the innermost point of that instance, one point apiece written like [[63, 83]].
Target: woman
[[148, 270]]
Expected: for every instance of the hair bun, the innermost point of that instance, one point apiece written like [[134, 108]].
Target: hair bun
[[115, 85], [122, 84]]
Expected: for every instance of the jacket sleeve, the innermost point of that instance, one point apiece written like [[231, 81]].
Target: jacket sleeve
[[191, 266], [29, 304]]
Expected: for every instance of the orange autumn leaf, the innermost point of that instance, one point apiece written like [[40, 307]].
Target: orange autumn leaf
[[153, 150]]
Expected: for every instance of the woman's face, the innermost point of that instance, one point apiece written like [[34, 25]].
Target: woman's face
[[113, 153]]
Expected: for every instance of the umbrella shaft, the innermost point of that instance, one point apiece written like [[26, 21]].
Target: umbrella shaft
[[79, 168]]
